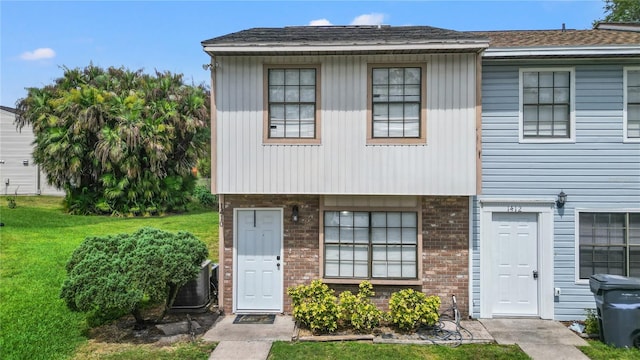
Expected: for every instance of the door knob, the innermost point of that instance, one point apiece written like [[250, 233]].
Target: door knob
[[535, 274]]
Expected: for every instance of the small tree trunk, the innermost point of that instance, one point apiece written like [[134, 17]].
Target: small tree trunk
[[139, 318], [171, 297]]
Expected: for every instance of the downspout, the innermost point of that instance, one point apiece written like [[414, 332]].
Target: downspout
[[473, 199]]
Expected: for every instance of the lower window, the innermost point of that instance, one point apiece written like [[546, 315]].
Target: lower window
[[377, 244], [609, 244]]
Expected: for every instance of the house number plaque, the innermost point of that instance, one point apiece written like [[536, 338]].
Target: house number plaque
[[514, 209]]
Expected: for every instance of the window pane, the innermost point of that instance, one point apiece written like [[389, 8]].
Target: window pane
[[396, 76], [331, 234], [292, 112], [561, 95], [276, 93], [412, 128], [396, 93], [381, 93], [633, 78], [412, 76], [361, 219], [361, 253], [379, 269], [394, 219], [396, 128], [308, 77], [307, 112], [379, 253], [409, 254], [379, 235], [409, 235], [332, 268], [361, 235], [545, 79], [396, 111], [292, 77], [292, 129], [412, 93], [346, 268], [276, 77], [292, 94], [634, 261], [545, 95], [633, 120], [380, 112], [394, 253], [530, 95], [394, 269], [530, 79], [634, 229], [380, 129], [307, 129], [380, 76], [332, 252], [408, 270], [561, 79], [378, 219], [331, 218], [545, 112], [307, 94], [346, 235], [394, 235]]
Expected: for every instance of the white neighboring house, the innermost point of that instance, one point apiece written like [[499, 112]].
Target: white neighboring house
[[18, 172]]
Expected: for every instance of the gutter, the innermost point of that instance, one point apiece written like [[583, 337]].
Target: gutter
[[512, 52], [275, 48]]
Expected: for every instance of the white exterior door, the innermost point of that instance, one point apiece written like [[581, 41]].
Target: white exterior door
[[514, 245], [259, 281]]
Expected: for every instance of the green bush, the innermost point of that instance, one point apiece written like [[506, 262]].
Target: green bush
[[591, 324], [409, 309], [315, 306], [204, 196], [111, 274], [358, 310]]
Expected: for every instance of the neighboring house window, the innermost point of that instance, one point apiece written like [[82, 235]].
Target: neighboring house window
[[632, 104], [609, 244], [546, 104], [292, 104], [397, 104], [370, 245]]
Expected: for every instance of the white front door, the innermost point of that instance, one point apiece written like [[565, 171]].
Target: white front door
[[259, 281], [514, 245]]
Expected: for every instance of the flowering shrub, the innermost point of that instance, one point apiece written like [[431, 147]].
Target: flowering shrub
[[358, 310], [408, 309], [315, 306]]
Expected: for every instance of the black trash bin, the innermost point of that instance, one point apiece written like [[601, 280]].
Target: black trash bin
[[618, 306]]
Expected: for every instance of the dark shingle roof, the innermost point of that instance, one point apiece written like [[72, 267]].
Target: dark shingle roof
[[337, 34], [293, 37], [9, 109], [539, 38]]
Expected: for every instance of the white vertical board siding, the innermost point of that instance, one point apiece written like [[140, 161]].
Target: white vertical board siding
[[597, 172], [15, 147], [343, 163]]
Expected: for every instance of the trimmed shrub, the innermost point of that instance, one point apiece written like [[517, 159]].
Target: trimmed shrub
[[358, 310], [408, 309], [315, 306], [125, 272]]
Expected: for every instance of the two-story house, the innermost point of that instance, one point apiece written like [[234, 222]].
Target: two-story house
[[344, 153], [560, 169]]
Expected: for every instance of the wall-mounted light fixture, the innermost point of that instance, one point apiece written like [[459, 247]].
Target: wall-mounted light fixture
[[294, 213], [562, 198]]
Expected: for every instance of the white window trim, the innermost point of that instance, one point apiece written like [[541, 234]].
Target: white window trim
[[576, 236], [626, 137], [572, 105]]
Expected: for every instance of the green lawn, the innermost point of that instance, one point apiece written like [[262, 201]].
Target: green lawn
[[35, 244]]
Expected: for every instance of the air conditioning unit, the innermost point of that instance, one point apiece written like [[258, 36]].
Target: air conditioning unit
[[195, 296]]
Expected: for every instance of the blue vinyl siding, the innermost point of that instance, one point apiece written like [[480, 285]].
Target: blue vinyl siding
[[597, 172]]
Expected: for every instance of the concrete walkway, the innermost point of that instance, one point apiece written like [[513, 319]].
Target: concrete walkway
[[540, 339], [247, 341]]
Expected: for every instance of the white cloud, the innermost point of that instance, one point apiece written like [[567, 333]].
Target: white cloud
[[368, 19], [320, 22], [38, 54]]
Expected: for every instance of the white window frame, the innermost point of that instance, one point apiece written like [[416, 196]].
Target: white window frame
[[572, 106], [626, 137], [578, 280]]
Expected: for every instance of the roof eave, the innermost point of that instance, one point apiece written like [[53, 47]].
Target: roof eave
[[258, 49], [555, 51]]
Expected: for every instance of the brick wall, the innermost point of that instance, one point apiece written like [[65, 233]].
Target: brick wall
[[301, 239], [445, 227]]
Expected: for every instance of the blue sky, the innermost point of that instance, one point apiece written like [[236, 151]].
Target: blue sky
[[38, 38]]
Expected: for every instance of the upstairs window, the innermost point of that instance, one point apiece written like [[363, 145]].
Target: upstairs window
[[292, 104], [632, 104], [546, 104], [397, 104], [609, 244]]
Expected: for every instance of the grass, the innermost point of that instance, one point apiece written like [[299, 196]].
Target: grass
[[364, 351], [182, 351], [600, 351], [35, 244]]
